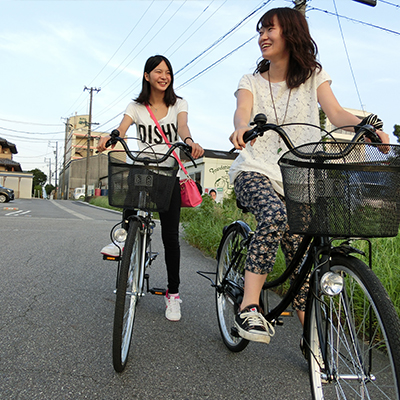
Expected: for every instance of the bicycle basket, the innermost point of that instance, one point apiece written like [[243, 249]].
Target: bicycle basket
[[333, 194], [147, 186]]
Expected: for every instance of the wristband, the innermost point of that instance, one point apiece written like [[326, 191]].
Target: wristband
[[186, 138], [373, 120]]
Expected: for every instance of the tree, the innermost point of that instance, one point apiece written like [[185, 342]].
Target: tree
[[396, 132], [322, 118], [49, 188], [39, 178]]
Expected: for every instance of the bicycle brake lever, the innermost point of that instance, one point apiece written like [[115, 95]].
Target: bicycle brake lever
[[188, 151]]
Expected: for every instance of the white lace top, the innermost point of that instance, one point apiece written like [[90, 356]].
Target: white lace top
[[303, 107]]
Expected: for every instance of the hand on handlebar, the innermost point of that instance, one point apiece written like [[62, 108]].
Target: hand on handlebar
[[378, 136], [196, 150], [237, 138], [385, 139], [101, 146], [107, 141]]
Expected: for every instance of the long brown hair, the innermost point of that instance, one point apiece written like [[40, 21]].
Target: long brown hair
[[169, 96], [301, 46]]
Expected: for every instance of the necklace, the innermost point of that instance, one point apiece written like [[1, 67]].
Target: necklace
[[273, 105]]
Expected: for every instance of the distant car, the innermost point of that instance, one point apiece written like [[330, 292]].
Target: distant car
[[6, 194]]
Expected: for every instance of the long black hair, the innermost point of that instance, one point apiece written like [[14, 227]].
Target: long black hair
[[302, 48], [169, 97]]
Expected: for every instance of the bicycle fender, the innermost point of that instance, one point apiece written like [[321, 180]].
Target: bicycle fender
[[234, 225]]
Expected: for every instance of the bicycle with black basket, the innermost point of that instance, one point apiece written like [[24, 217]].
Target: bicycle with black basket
[[144, 182], [336, 193]]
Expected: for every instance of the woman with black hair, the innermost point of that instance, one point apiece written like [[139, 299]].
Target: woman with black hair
[[171, 112]]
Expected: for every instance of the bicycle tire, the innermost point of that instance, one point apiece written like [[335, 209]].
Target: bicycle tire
[[226, 300], [128, 293], [363, 363]]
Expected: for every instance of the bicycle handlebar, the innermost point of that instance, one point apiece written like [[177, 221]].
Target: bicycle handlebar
[[260, 120], [116, 138]]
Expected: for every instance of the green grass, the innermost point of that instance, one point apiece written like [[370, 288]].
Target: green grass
[[203, 229]]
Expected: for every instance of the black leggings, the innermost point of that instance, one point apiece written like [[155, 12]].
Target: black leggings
[[170, 237]]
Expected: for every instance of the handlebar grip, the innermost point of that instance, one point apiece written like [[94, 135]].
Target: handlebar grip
[[373, 136], [113, 139], [369, 132], [248, 135], [110, 142]]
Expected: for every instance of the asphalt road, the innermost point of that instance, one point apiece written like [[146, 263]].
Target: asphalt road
[[56, 314]]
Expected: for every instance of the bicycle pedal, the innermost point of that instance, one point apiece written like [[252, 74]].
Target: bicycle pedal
[[234, 332], [287, 313], [153, 256], [111, 258], [158, 292]]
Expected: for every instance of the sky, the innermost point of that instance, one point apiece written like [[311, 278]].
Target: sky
[[51, 50]]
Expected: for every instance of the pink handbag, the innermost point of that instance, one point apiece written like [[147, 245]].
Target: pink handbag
[[190, 195]]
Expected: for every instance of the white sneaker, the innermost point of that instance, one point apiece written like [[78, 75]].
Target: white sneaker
[[113, 250], [173, 308]]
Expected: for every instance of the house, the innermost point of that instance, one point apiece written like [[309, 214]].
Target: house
[[212, 171], [11, 174]]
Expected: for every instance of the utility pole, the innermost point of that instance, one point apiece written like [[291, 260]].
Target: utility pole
[[91, 90], [67, 125], [300, 5], [56, 160], [49, 160]]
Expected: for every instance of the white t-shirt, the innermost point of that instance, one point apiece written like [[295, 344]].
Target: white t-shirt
[[302, 107], [147, 131]]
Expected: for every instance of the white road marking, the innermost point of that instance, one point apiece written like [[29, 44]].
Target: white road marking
[[76, 214], [19, 212]]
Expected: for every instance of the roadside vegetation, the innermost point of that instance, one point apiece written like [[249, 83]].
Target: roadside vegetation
[[203, 229]]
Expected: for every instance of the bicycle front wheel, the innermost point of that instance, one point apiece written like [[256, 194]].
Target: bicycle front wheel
[[229, 280], [354, 337], [128, 293]]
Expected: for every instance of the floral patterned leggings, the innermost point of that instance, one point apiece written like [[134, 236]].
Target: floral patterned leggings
[[255, 192]]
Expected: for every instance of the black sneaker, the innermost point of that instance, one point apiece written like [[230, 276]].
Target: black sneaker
[[252, 325]]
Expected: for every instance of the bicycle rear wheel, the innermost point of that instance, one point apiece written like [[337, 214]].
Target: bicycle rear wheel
[[359, 333], [229, 290], [128, 293]]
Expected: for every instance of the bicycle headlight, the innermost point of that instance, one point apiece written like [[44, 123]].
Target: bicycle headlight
[[331, 283], [119, 235]]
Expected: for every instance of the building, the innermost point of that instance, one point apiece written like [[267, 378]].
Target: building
[[212, 171], [80, 158], [341, 134], [11, 175]]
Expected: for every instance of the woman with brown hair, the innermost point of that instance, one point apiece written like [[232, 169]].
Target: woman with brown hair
[[287, 86]]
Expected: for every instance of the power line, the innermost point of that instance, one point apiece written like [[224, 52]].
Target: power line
[[354, 20], [389, 3], [31, 133], [216, 62], [137, 82], [191, 25], [348, 57], [105, 83], [28, 123], [73, 105], [129, 34], [225, 35]]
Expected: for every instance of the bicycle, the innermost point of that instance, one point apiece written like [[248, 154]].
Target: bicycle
[[351, 336], [144, 184]]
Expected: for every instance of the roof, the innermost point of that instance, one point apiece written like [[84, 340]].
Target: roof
[[7, 144], [10, 164]]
